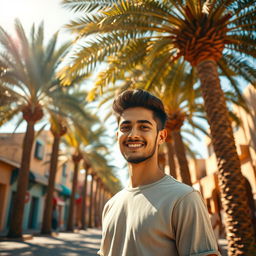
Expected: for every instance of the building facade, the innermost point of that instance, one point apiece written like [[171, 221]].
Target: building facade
[[204, 171], [10, 156]]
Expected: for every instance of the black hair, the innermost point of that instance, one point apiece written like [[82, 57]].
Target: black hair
[[140, 98]]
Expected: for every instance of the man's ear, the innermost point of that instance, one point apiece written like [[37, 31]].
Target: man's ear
[[117, 134], [162, 136]]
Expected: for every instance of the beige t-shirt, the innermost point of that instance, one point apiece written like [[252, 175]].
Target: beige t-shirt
[[165, 218]]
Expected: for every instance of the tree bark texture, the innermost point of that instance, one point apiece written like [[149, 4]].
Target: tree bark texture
[[47, 217], [182, 159], [239, 228], [17, 213], [97, 203], [171, 162], [84, 201], [91, 203], [101, 202], [70, 225]]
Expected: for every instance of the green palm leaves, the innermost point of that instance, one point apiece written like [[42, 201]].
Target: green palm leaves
[[167, 30], [215, 37], [28, 82]]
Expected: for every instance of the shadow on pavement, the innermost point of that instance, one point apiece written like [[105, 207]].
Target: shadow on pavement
[[84, 243]]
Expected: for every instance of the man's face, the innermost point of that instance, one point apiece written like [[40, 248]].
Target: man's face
[[138, 136]]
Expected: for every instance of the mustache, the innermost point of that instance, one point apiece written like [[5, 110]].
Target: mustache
[[127, 141]]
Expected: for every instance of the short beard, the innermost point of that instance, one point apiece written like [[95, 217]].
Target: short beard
[[138, 160], [143, 158]]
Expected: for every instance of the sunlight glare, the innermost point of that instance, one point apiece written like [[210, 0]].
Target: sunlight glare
[[33, 11]]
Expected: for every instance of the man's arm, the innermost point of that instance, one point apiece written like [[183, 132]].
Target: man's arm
[[193, 230]]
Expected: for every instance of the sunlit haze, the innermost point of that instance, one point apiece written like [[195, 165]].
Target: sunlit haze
[[33, 11]]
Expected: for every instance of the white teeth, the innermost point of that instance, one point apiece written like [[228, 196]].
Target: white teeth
[[134, 145]]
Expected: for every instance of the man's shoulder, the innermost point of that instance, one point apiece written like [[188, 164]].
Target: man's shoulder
[[176, 187], [115, 197], [167, 192]]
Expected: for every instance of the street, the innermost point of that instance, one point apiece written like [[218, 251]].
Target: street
[[84, 243]]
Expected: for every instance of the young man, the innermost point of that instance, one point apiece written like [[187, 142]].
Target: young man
[[155, 214]]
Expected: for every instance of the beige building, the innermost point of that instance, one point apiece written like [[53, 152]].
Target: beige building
[[10, 156]]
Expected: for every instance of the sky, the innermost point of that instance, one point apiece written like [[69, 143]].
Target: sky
[[28, 12], [54, 17], [33, 11]]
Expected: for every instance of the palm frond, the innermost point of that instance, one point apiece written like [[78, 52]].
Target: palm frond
[[86, 5]]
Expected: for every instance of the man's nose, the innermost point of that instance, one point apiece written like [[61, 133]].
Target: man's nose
[[133, 133]]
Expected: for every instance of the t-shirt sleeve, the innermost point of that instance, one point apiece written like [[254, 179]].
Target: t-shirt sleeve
[[193, 232]]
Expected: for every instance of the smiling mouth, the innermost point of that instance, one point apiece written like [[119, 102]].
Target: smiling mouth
[[134, 145]]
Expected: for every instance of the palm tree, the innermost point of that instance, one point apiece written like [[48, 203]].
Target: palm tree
[[213, 36], [78, 137], [181, 100], [87, 145], [28, 73], [92, 160], [70, 109], [102, 171], [87, 168]]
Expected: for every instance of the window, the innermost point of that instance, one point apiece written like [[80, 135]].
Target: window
[[39, 150]]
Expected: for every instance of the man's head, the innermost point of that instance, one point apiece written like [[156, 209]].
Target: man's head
[[141, 120], [140, 98]]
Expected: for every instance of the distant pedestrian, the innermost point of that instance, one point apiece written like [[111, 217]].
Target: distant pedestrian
[[55, 218]]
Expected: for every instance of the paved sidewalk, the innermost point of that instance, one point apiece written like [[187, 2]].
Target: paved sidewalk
[[84, 243]]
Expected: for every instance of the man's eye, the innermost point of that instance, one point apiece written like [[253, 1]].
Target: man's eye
[[124, 128], [144, 127]]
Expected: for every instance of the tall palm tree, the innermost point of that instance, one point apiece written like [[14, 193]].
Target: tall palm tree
[[87, 168], [28, 73], [179, 97], [213, 36], [58, 130], [78, 137], [105, 173], [92, 161], [69, 109], [181, 100]]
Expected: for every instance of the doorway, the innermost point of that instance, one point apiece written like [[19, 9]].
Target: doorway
[[33, 213]]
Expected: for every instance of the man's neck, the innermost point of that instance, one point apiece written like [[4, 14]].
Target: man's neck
[[144, 173]]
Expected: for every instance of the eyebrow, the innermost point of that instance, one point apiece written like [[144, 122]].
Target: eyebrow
[[138, 121]]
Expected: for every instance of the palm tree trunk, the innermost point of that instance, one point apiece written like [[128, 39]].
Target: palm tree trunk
[[47, 217], [84, 201], [171, 161], [70, 226], [239, 228], [182, 159], [91, 203], [22, 183], [101, 202], [96, 202]]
